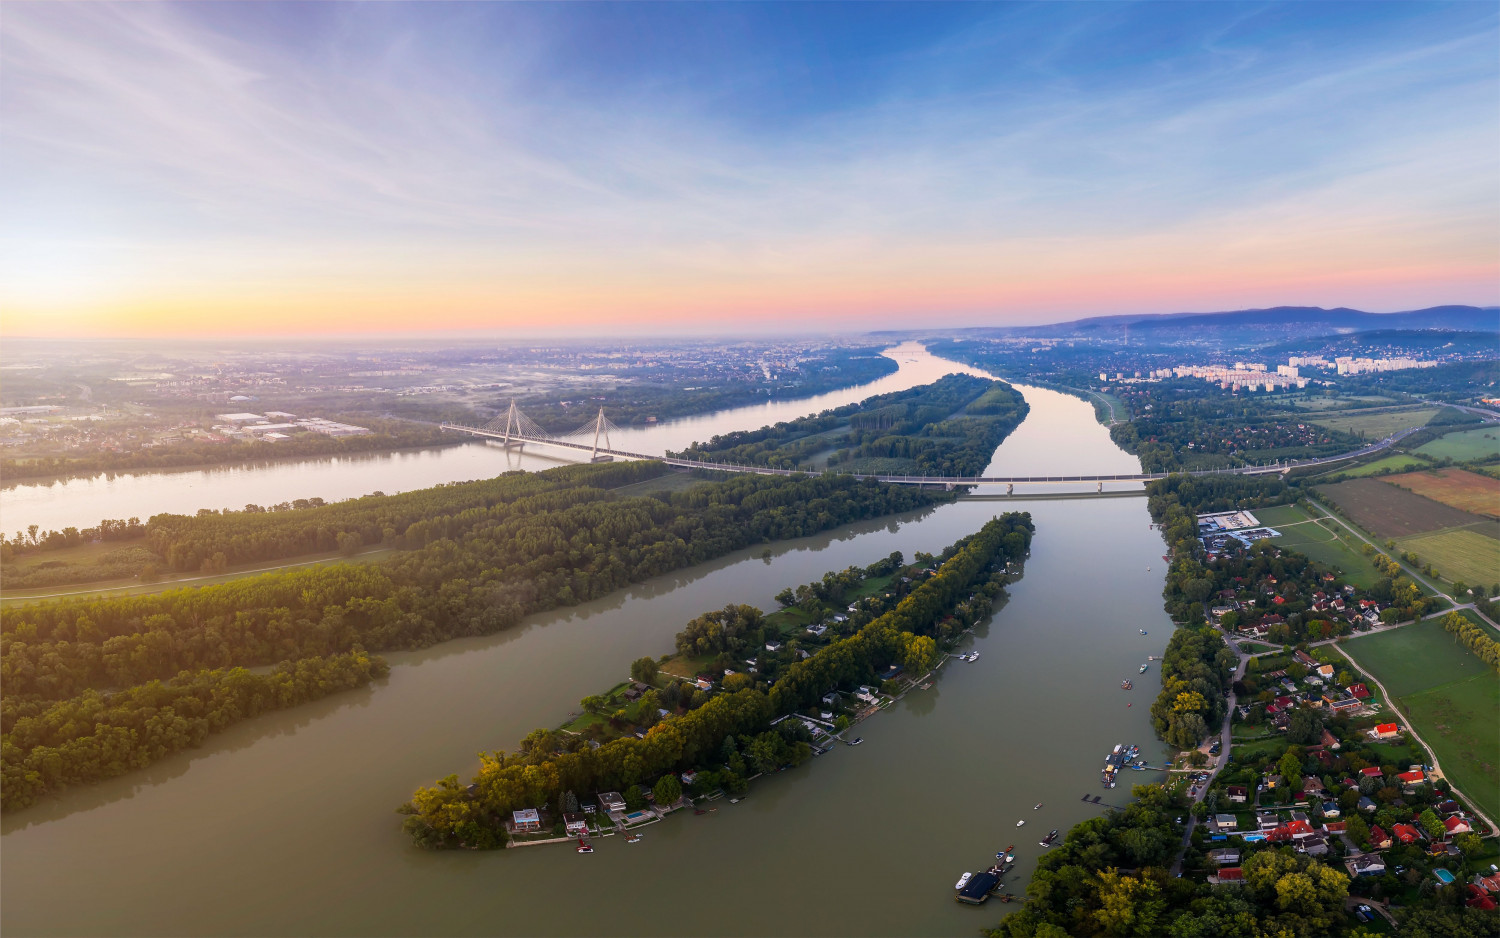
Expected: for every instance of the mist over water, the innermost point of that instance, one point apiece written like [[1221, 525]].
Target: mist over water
[[285, 825]]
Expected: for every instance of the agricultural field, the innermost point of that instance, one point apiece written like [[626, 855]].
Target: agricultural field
[[1448, 695], [1466, 491], [1376, 426], [1319, 542], [1465, 445], [1459, 554], [1389, 512], [1397, 463]]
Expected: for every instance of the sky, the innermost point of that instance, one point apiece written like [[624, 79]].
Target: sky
[[343, 168]]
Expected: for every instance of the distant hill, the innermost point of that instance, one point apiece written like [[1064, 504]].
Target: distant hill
[[1256, 326], [1411, 340]]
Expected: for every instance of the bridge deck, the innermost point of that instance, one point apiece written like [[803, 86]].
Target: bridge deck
[[596, 451]]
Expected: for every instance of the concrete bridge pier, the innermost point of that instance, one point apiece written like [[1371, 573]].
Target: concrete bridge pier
[[1101, 486], [1010, 488]]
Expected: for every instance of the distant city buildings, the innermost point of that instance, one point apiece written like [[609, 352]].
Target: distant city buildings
[[1358, 366], [1251, 376]]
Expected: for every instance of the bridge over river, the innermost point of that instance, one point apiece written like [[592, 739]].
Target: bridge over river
[[516, 429]]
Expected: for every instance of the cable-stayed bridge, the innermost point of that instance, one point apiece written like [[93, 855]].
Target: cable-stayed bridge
[[516, 429]]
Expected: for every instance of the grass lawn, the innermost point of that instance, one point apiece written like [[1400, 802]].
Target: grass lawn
[[687, 667], [1449, 696], [1458, 554], [1377, 426], [1319, 541], [1460, 721], [1464, 445]]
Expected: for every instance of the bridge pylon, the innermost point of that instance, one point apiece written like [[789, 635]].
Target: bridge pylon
[[601, 426]]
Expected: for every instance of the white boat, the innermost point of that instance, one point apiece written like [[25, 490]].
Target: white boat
[[1019, 823], [1143, 631], [974, 656], [1037, 806], [1143, 669], [585, 848], [633, 839], [963, 881]]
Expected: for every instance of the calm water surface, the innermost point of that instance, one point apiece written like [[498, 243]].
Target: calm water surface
[[83, 502], [285, 826]]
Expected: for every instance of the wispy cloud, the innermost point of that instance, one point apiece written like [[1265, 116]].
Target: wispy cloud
[[161, 158]]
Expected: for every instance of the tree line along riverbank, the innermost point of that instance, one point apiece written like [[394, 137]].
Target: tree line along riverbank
[[477, 558], [730, 725]]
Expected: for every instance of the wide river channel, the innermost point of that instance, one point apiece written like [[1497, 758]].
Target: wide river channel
[[286, 825]]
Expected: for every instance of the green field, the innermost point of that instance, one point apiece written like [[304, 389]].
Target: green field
[[1464, 445], [1448, 695], [1318, 541], [1397, 463], [1377, 426], [1460, 554]]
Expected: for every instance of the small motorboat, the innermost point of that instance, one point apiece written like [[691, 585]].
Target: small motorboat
[[585, 848], [1037, 806], [856, 740], [1143, 631], [1019, 823], [734, 801], [633, 839], [973, 656], [963, 881], [1126, 685], [1143, 669]]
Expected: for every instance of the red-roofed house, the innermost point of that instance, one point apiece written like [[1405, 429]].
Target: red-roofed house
[[1291, 830], [1414, 777], [1334, 827], [1489, 883], [1329, 741], [1457, 825], [1231, 875], [1312, 783], [1386, 730], [1370, 771], [1379, 839], [1406, 834], [1359, 691], [1478, 899]]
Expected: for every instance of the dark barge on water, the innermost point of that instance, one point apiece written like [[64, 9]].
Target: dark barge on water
[[979, 887]]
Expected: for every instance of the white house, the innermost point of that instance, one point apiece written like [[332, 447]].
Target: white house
[[526, 819]]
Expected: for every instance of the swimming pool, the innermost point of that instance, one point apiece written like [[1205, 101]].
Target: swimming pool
[[1444, 877]]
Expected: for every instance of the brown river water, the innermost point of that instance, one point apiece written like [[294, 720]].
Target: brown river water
[[286, 825]]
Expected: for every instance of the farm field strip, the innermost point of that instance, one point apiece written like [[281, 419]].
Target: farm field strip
[[1461, 555], [1386, 511], [1320, 541], [1466, 491], [1376, 426]]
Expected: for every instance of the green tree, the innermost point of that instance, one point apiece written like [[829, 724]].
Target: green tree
[[644, 670], [668, 790], [1432, 824]]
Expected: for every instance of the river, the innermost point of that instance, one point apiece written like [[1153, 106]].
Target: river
[[82, 502], [285, 825]]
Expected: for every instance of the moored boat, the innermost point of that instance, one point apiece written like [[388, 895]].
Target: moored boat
[[963, 881], [585, 848]]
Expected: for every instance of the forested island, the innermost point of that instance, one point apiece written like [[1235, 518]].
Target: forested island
[[718, 728], [949, 427], [474, 558]]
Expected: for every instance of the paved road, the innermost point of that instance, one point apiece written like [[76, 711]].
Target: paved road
[[1223, 757]]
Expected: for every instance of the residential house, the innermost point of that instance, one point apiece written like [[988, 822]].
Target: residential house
[[1325, 672], [831, 698], [612, 801], [1334, 827], [1457, 825], [1224, 856], [1370, 864], [1359, 692], [1329, 741], [1489, 883], [1414, 777], [1341, 704], [1267, 821], [1237, 793], [1227, 876], [575, 824], [1306, 659], [703, 682], [688, 778], [773, 647], [1226, 822], [1385, 730], [1366, 803], [1331, 809], [1379, 839], [1316, 845], [1370, 771], [526, 819], [1312, 784], [817, 629], [632, 694], [1478, 900], [1406, 834]]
